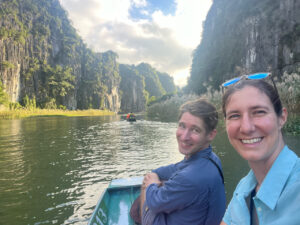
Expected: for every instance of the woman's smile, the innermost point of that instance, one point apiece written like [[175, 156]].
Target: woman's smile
[[251, 141]]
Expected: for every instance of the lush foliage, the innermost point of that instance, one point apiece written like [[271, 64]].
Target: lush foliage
[[289, 90], [22, 113], [167, 82], [29, 104], [152, 82], [58, 82], [4, 65], [142, 84], [3, 96], [166, 108], [54, 55], [235, 41], [290, 94], [132, 85], [56, 67], [99, 71]]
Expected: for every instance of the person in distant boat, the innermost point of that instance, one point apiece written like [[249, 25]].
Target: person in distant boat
[[254, 117], [130, 115], [192, 190]]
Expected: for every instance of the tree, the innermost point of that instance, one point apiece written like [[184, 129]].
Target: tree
[[59, 82], [3, 96]]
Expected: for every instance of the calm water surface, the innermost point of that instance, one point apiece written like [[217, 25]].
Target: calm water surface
[[53, 169]]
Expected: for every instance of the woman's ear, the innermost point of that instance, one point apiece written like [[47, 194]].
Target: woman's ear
[[283, 117]]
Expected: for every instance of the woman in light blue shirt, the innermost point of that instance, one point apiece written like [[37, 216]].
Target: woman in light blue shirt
[[254, 116]]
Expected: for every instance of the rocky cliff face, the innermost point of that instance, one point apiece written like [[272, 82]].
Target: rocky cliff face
[[35, 38], [133, 90], [43, 58], [141, 82], [244, 36]]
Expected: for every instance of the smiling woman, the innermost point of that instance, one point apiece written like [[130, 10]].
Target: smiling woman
[[254, 117]]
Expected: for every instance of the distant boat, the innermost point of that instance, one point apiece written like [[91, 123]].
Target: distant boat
[[115, 202], [131, 118]]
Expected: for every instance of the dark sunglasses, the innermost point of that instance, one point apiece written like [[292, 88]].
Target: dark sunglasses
[[255, 76]]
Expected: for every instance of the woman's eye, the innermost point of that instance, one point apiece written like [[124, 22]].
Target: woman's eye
[[233, 116]]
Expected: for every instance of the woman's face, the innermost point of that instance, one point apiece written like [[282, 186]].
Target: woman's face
[[253, 128]]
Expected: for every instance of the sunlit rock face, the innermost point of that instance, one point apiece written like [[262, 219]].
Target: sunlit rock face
[[37, 37], [132, 87], [246, 36]]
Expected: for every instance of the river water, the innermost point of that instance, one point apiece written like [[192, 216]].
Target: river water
[[53, 169]]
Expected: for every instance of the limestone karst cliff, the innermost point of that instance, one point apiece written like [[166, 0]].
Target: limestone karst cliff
[[133, 90], [43, 58], [141, 82], [245, 36]]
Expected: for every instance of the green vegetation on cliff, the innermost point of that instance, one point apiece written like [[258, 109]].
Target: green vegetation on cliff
[[43, 58], [167, 108], [54, 65], [141, 84], [246, 36], [3, 96]]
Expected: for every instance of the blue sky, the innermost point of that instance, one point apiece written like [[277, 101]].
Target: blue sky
[[168, 7], [163, 33]]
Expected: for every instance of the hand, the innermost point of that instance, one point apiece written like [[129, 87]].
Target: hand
[[151, 178]]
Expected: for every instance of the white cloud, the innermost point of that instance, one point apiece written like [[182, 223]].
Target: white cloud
[[139, 3], [166, 42], [180, 77], [186, 25]]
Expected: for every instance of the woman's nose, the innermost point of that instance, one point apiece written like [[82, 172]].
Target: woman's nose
[[247, 124]]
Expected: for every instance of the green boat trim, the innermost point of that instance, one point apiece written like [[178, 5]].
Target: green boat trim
[[115, 202]]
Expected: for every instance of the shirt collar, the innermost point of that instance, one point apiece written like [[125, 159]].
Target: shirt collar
[[200, 154], [280, 171], [270, 190]]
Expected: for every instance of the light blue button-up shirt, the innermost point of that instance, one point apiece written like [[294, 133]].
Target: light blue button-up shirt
[[278, 200]]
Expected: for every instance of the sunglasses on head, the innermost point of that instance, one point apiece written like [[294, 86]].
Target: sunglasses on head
[[255, 76]]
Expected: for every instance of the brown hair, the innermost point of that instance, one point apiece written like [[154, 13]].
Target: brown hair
[[261, 85], [202, 109]]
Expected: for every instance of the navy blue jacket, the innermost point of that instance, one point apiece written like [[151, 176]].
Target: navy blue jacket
[[193, 192]]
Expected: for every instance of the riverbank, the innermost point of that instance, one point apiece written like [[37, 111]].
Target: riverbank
[[23, 113]]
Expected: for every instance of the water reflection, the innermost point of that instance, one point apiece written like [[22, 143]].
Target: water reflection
[[53, 170]]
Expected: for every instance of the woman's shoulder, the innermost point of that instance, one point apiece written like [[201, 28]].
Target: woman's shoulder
[[295, 173], [293, 158], [246, 184]]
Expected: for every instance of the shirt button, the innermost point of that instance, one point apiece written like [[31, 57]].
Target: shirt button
[[259, 209]]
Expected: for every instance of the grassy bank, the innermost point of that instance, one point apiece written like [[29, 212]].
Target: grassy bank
[[23, 113]]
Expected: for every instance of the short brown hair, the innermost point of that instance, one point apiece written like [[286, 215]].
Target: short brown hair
[[202, 109]]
